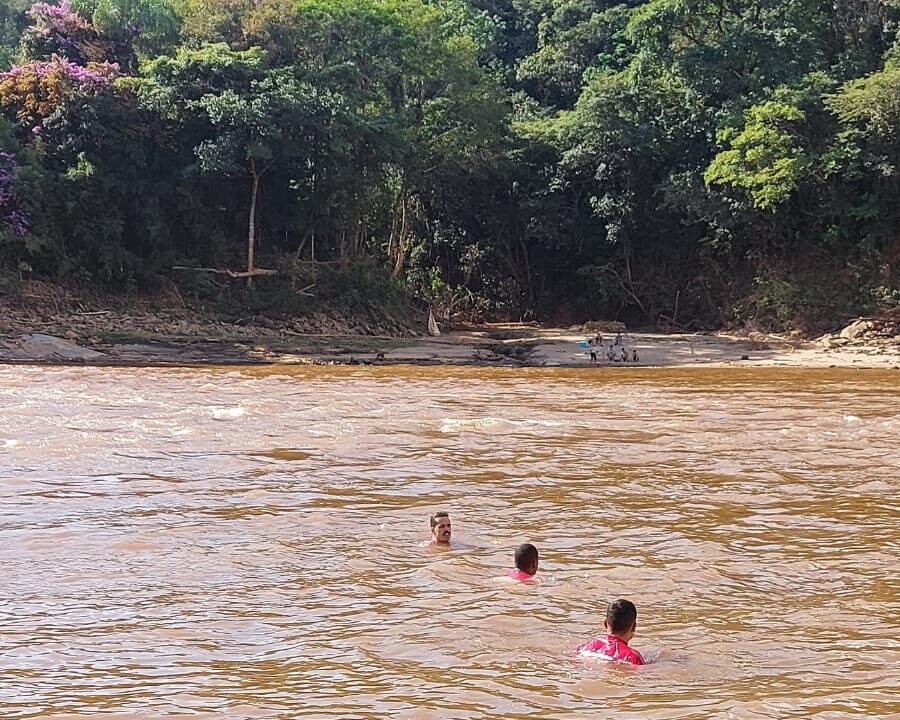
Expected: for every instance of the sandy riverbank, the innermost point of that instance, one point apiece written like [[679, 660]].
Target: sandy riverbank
[[175, 340], [560, 348], [45, 324], [554, 347]]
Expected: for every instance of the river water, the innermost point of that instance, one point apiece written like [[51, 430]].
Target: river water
[[247, 543]]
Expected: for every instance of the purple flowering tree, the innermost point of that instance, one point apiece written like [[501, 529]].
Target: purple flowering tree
[[30, 93], [86, 31], [57, 30]]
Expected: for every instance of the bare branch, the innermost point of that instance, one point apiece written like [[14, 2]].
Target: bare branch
[[230, 273]]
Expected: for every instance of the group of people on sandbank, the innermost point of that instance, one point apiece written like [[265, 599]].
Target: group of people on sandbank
[[615, 352], [620, 622]]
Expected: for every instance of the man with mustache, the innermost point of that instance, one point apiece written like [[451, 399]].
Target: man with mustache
[[440, 530]]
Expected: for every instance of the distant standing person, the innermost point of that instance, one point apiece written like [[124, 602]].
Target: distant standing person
[[593, 351], [440, 529], [620, 624], [526, 560], [634, 356], [618, 338]]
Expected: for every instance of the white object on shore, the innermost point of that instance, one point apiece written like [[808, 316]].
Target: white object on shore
[[433, 328]]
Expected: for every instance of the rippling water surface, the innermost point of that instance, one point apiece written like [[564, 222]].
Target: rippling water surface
[[221, 543]]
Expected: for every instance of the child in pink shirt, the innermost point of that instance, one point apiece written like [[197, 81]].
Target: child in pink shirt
[[526, 563], [620, 624]]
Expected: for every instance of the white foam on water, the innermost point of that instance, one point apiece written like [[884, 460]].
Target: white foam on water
[[588, 655], [453, 424], [232, 413], [449, 425]]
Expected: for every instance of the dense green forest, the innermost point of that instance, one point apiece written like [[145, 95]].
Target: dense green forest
[[667, 163]]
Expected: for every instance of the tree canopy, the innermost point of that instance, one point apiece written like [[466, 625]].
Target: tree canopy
[[673, 163]]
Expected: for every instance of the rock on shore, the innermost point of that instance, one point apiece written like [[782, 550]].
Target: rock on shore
[[37, 347]]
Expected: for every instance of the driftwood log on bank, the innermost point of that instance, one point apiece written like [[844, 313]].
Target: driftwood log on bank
[[230, 273]]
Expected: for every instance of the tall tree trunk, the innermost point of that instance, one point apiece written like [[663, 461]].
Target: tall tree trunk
[[359, 240], [401, 243], [251, 226], [394, 224], [526, 261]]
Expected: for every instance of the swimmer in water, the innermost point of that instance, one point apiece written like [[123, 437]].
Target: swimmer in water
[[440, 530], [526, 559], [620, 624]]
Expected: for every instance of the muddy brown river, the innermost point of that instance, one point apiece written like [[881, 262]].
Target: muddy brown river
[[247, 543]]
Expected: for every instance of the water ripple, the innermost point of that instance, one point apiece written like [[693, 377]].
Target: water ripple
[[247, 543]]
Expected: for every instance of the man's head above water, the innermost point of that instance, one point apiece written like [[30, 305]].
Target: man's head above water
[[440, 528]]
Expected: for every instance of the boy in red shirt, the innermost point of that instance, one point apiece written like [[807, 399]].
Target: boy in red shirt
[[620, 624], [526, 559]]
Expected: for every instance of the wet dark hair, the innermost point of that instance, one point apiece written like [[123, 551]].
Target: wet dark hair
[[434, 518], [526, 556], [620, 616]]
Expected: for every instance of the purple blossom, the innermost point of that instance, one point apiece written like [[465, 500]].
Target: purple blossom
[[93, 76], [43, 9], [59, 18], [58, 28]]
